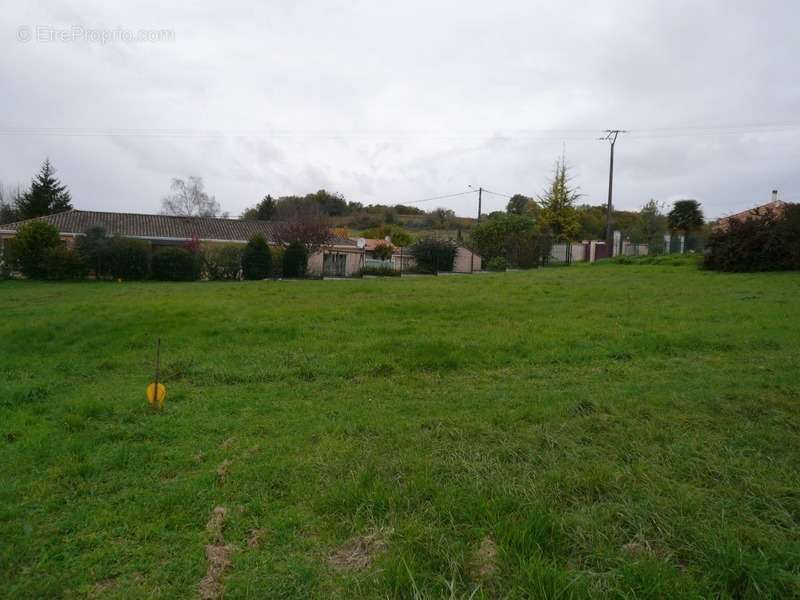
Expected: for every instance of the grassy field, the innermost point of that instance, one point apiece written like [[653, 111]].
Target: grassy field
[[592, 431]]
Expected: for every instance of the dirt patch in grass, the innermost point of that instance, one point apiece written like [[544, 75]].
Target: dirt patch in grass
[[219, 559], [216, 522], [638, 548], [359, 552], [218, 555], [484, 562], [102, 587], [222, 470], [254, 541]]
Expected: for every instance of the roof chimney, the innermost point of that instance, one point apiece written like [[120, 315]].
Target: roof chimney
[[774, 195]]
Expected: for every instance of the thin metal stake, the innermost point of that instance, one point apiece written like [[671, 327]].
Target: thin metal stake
[[158, 367]]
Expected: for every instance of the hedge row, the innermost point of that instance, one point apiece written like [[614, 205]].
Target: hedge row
[[766, 243], [38, 253]]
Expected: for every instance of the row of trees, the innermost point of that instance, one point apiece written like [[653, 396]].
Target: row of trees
[[557, 214], [39, 253], [522, 234], [324, 203]]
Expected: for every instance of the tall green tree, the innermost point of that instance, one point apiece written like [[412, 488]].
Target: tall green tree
[[558, 216], [520, 204], [257, 258], [263, 211], [651, 224], [295, 260], [31, 247], [685, 216], [46, 196]]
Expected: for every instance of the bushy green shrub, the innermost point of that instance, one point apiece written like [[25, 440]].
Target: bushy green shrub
[[128, 259], [498, 263], [175, 264], [768, 243], [8, 261], [94, 247], [295, 260], [277, 261], [380, 271], [63, 264], [222, 262], [433, 255], [257, 258], [33, 242], [510, 236]]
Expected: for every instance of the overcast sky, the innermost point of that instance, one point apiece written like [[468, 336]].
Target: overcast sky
[[396, 102]]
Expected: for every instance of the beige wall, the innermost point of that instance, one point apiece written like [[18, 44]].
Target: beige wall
[[352, 261], [462, 262], [315, 264]]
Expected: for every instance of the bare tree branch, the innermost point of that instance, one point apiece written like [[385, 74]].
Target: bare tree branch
[[308, 227], [189, 199]]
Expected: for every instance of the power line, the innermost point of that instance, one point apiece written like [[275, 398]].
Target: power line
[[496, 193], [531, 134], [438, 197]]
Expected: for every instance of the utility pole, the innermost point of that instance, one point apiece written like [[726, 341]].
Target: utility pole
[[611, 136], [471, 253]]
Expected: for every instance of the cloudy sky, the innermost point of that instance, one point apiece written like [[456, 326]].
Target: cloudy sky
[[397, 102]]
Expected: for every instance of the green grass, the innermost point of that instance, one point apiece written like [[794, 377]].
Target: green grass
[[614, 431]]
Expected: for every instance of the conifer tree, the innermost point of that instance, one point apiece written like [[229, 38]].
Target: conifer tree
[[46, 196], [558, 216]]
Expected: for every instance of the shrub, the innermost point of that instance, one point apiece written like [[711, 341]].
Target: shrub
[[63, 264], [434, 255], [257, 258], [295, 260], [769, 243], [380, 271], [128, 259], [94, 246], [223, 262], [277, 261], [383, 251], [509, 236], [33, 242], [498, 263], [8, 260], [175, 264]]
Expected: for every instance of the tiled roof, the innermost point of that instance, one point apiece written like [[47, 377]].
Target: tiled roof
[[371, 243], [774, 208], [162, 227]]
